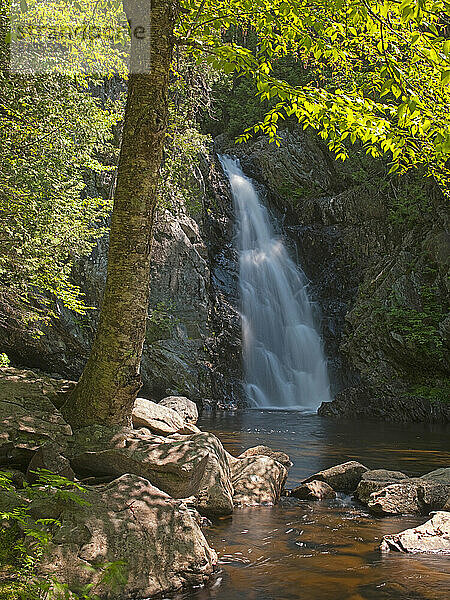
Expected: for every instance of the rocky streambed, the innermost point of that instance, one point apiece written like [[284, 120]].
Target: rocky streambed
[[150, 487]]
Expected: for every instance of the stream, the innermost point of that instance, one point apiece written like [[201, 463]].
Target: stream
[[324, 550]]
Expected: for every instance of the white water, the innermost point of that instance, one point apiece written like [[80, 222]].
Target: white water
[[284, 363]]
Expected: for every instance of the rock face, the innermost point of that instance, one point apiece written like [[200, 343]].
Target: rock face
[[159, 419], [183, 406], [375, 250], [129, 520], [280, 457], [342, 478], [375, 480], [257, 480], [189, 300], [431, 537], [183, 466], [314, 490], [409, 496]]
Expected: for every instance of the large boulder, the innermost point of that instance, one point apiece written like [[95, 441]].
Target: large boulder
[[409, 496], [159, 419], [342, 478], [280, 457], [28, 417], [182, 466], [432, 536], [183, 406], [375, 480], [126, 520], [313, 490], [257, 480]]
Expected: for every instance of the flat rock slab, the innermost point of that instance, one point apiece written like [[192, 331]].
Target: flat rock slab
[[281, 457], [182, 466], [314, 490], [183, 406], [342, 478], [161, 420], [127, 520], [374, 481], [409, 496], [257, 480], [432, 537]]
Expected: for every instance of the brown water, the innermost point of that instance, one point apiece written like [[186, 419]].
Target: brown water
[[327, 550]]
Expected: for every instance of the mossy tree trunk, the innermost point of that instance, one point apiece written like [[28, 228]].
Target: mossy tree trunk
[[111, 379]]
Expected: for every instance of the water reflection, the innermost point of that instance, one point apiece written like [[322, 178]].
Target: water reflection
[[328, 550]]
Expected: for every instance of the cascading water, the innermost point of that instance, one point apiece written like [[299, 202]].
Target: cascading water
[[284, 363]]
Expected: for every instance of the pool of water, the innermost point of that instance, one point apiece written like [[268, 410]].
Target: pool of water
[[324, 550]]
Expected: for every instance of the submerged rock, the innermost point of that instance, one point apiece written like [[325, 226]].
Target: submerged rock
[[257, 480], [183, 406], [313, 490], [281, 457], [127, 520], [342, 478], [433, 536], [409, 496], [182, 466], [159, 419], [375, 480]]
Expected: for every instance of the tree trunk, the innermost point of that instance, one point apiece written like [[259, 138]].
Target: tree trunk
[[111, 379]]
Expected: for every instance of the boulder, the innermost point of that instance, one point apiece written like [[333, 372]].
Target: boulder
[[313, 490], [28, 417], [280, 457], [409, 496], [439, 475], [342, 478], [375, 480], [183, 406], [257, 480], [159, 419], [182, 466], [189, 429], [432, 536], [129, 520], [50, 459]]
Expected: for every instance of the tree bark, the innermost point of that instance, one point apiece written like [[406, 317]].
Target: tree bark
[[111, 379]]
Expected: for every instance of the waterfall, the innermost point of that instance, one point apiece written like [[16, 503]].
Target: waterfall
[[284, 362]]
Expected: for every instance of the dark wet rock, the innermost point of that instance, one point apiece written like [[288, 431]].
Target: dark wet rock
[[257, 480], [281, 457], [342, 478], [409, 496], [161, 420], [361, 402], [431, 537], [182, 466], [132, 521], [183, 406], [28, 416], [313, 490], [375, 480]]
